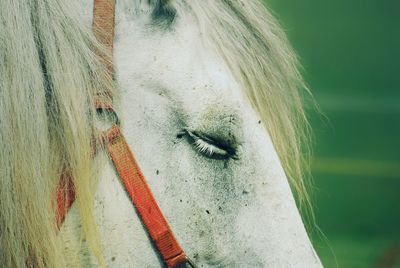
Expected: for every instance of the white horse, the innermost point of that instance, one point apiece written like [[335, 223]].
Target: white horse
[[207, 93]]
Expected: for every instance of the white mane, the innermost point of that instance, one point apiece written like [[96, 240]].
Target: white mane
[[48, 76]]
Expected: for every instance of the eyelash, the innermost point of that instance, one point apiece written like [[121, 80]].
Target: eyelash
[[211, 147], [208, 149]]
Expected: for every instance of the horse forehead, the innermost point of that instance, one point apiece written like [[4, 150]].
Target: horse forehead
[[177, 63], [181, 52]]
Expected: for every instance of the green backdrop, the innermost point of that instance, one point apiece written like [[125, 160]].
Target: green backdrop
[[350, 51]]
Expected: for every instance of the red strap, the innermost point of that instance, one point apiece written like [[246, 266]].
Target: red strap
[[103, 29], [65, 196], [141, 196]]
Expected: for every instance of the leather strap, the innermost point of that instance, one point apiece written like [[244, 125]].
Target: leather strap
[[123, 158]]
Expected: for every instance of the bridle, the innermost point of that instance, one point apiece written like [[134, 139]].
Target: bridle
[[122, 157]]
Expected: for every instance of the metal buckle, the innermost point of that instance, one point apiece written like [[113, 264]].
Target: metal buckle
[[186, 263], [107, 115], [106, 126], [190, 263]]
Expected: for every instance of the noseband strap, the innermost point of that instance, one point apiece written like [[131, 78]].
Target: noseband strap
[[123, 158]]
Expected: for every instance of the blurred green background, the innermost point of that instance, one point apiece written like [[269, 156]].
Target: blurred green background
[[350, 51]]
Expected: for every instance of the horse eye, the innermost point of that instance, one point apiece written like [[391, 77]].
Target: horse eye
[[211, 147]]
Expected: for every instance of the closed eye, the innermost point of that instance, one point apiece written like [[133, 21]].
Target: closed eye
[[211, 147]]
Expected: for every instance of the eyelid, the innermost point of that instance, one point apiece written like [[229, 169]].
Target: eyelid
[[211, 146]]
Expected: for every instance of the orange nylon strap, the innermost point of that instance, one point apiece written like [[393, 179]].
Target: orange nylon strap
[[141, 196], [65, 196], [123, 159], [103, 29]]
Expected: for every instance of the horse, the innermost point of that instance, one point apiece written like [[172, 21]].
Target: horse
[[209, 96]]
